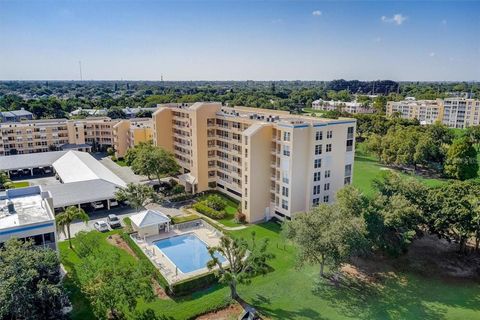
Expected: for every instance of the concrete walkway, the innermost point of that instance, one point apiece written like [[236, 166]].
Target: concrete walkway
[[124, 173], [218, 224]]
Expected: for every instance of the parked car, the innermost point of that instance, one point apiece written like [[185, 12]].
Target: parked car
[[101, 226], [97, 205], [113, 221], [113, 203]]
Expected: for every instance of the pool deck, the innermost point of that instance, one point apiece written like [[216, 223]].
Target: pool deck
[[168, 269]]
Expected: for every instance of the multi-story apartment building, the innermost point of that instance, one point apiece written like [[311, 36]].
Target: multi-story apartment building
[[350, 107], [426, 111], [456, 112], [275, 163], [44, 135], [129, 133], [461, 112]]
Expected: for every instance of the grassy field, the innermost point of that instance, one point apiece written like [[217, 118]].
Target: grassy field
[[290, 293], [367, 168], [20, 184], [121, 162]]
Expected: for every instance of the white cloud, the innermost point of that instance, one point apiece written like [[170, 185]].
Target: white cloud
[[397, 19], [444, 22], [317, 13], [432, 54]]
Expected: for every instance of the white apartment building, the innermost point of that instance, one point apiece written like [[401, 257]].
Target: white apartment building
[[275, 163], [350, 107], [27, 213]]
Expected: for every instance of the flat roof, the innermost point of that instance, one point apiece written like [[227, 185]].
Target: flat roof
[[30, 208], [32, 160], [73, 193]]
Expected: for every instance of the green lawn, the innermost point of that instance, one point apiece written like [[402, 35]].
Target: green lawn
[[366, 168], [230, 210], [20, 184], [121, 162], [288, 293]]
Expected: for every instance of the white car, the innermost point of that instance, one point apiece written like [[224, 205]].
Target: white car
[[101, 226], [97, 205], [113, 203]]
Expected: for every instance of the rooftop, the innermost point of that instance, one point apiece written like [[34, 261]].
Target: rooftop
[[29, 206], [22, 161]]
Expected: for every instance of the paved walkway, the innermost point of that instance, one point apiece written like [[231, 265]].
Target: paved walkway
[[124, 173], [218, 224]]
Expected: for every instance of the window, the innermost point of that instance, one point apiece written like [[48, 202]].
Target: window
[[329, 148], [318, 149], [286, 151], [329, 134], [285, 176], [285, 204], [317, 176], [350, 132], [245, 205], [325, 198], [285, 191], [316, 190], [286, 136], [326, 187], [327, 173], [316, 201], [349, 145], [317, 163], [347, 180], [348, 170], [318, 135]]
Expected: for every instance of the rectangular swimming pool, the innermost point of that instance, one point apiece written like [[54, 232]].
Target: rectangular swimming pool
[[187, 252]]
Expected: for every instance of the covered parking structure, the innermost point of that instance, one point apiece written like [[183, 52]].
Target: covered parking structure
[[82, 178], [28, 164]]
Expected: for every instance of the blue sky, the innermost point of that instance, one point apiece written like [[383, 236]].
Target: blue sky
[[240, 40]]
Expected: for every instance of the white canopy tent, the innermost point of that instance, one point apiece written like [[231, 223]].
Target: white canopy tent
[[150, 222]]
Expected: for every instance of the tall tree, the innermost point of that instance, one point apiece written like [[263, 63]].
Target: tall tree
[[326, 236], [137, 195], [30, 283], [461, 162], [65, 219], [242, 264], [156, 162]]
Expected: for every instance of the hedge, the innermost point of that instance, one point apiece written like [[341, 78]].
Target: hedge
[[209, 212], [178, 289], [141, 256], [188, 286]]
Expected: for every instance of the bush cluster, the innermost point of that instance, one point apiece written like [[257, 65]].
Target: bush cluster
[[203, 208], [215, 202]]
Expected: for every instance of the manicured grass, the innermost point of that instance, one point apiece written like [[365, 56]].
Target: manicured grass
[[186, 218], [20, 184], [121, 162], [230, 210], [290, 293], [366, 169]]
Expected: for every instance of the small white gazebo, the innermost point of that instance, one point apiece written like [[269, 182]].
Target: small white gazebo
[[150, 222]]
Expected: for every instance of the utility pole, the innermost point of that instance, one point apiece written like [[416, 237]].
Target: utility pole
[[80, 68]]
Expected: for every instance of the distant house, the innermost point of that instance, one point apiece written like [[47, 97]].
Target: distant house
[[16, 115]]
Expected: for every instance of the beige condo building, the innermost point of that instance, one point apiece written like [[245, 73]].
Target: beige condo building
[[426, 111], [275, 163], [461, 113], [129, 133], [44, 135]]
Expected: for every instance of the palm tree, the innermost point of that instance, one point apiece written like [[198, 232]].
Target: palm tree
[[137, 195], [65, 219]]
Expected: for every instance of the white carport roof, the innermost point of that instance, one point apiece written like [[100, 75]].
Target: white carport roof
[[77, 166], [32, 160], [149, 218]]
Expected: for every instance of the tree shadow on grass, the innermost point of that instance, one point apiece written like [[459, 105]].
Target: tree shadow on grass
[[397, 298]]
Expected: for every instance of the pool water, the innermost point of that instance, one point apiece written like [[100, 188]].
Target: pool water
[[187, 252]]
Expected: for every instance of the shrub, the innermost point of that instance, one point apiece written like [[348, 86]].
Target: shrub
[[215, 202], [128, 225], [110, 151], [178, 189], [240, 217], [191, 285], [114, 159], [180, 197], [209, 212]]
